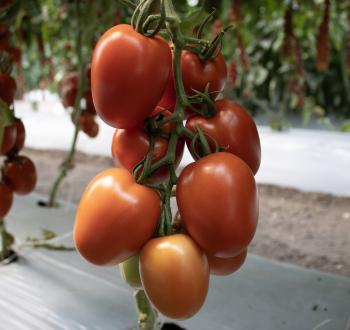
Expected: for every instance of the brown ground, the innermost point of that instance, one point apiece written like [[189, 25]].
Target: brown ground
[[307, 229]]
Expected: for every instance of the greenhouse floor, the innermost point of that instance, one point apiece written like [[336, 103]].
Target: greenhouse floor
[[59, 290]]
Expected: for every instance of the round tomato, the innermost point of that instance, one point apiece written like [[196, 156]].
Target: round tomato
[[6, 198], [129, 270], [9, 139], [89, 104], [88, 124], [7, 88], [20, 136], [129, 73], [130, 146], [218, 203], [226, 266], [115, 218], [175, 275], [196, 74], [234, 129], [21, 174]]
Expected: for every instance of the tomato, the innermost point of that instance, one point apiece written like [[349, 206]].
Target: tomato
[[89, 102], [88, 124], [5, 3], [129, 74], [20, 136], [234, 129], [175, 275], [8, 140], [226, 266], [168, 100], [130, 146], [218, 203], [16, 54], [129, 270], [4, 36], [115, 218], [6, 198], [7, 88], [196, 74], [21, 174]]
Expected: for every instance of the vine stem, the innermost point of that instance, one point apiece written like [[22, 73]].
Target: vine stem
[[147, 316], [67, 163], [4, 247]]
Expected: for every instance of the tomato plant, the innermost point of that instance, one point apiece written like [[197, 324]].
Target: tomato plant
[[116, 216], [21, 175], [142, 66], [234, 130], [6, 197], [175, 275], [218, 203]]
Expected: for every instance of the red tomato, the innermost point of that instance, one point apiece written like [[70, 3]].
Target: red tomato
[[129, 75], [7, 88], [115, 218], [130, 146], [196, 74], [21, 175], [88, 124], [234, 129], [16, 54], [5, 3], [226, 266], [168, 100], [175, 275], [89, 102], [8, 140], [20, 136], [6, 198], [68, 95], [218, 203]]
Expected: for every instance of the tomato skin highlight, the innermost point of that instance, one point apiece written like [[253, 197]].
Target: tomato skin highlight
[[9, 139], [196, 74], [7, 88], [234, 129], [130, 146], [21, 175], [141, 66], [226, 266], [115, 218], [218, 203], [175, 275], [6, 199], [129, 270]]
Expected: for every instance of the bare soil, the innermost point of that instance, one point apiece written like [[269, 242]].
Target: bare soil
[[307, 229]]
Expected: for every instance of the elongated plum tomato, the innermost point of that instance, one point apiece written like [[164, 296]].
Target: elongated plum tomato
[[234, 129], [175, 275], [7, 88], [130, 146], [196, 73], [218, 203], [21, 175], [20, 136], [129, 270], [226, 266], [6, 199], [129, 74], [115, 218], [8, 140]]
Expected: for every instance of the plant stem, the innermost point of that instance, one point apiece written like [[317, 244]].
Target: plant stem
[[67, 163], [4, 250], [147, 316]]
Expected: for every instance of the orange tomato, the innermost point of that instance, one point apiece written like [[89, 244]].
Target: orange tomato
[[226, 266]]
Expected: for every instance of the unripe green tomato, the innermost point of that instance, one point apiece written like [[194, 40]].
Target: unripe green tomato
[[129, 269]]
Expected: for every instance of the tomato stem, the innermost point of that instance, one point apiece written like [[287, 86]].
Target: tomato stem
[[147, 316]]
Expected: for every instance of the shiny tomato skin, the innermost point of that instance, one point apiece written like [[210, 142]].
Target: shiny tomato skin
[[129, 74], [130, 146], [20, 135], [7, 88], [8, 140], [115, 218], [234, 129], [175, 275], [129, 270], [196, 74], [218, 203], [6, 199], [226, 266], [168, 100], [21, 175]]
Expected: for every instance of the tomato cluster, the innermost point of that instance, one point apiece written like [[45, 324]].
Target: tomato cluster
[[121, 213], [18, 173], [69, 93]]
